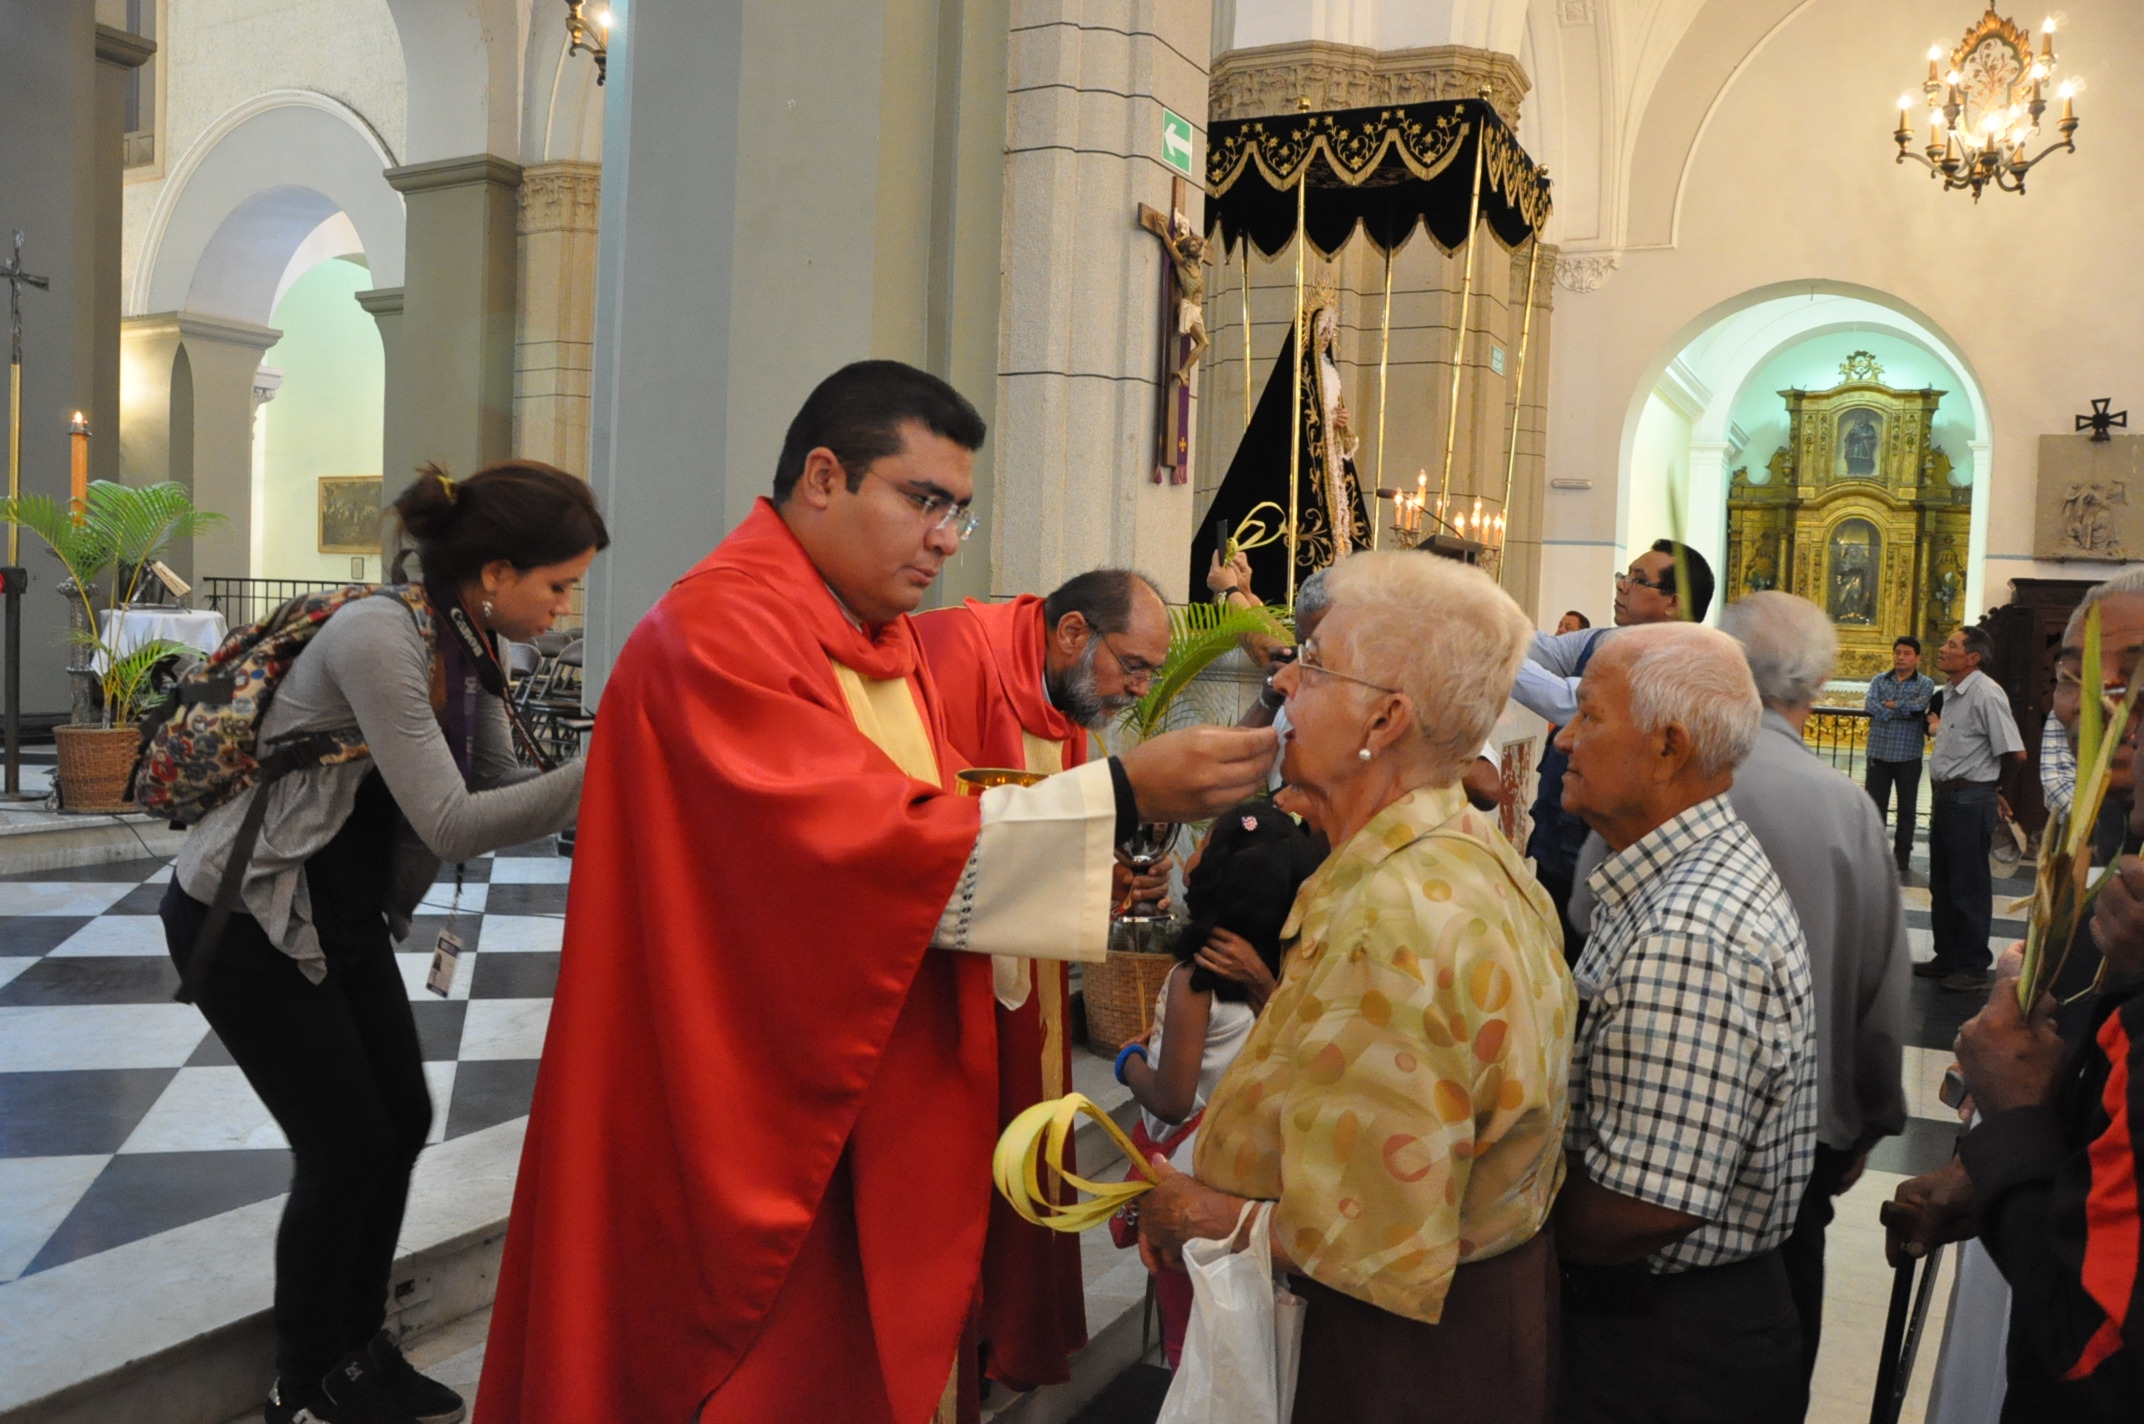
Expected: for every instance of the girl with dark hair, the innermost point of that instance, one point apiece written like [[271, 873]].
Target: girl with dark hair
[[1238, 888], [302, 985]]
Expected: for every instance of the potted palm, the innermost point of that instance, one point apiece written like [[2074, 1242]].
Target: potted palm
[[106, 545]]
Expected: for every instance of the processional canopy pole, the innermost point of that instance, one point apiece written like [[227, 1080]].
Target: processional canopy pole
[[1466, 306]]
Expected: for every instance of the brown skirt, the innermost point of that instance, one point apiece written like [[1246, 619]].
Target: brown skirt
[[1491, 1359]]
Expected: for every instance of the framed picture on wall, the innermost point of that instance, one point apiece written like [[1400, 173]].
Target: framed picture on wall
[[350, 514]]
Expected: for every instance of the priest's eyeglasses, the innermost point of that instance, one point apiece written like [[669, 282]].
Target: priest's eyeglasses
[[1135, 670], [1309, 659], [939, 510]]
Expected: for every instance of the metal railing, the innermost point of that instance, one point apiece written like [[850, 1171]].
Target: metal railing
[[249, 600], [1840, 735]]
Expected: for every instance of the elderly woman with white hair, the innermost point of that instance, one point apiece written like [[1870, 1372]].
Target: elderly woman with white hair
[[1693, 1096], [1401, 1099]]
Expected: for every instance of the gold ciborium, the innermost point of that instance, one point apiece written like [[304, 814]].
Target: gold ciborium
[[978, 779]]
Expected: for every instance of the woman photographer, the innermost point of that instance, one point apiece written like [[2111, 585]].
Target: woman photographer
[[302, 986]]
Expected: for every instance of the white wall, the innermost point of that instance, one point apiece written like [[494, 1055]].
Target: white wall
[[1794, 181]]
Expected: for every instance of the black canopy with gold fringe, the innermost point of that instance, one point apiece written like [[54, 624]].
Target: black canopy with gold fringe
[[1385, 169]]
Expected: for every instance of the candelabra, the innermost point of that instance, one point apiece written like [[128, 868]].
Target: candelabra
[[1424, 521], [1984, 108]]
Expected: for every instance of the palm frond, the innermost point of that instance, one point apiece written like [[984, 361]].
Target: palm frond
[[1198, 634], [126, 678]]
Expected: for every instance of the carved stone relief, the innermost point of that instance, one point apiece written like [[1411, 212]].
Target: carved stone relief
[[2088, 499], [1269, 79], [1585, 271]]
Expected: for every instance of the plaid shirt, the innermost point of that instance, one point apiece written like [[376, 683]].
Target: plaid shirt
[[1898, 733], [1693, 1080], [2058, 767]]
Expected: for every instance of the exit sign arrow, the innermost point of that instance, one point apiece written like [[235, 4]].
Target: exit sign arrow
[[1176, 142]]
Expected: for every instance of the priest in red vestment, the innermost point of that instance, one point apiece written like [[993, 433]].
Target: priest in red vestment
[[1022, 683], [756, 1178]]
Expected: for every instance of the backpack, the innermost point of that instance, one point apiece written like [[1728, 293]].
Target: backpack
[[202, 749]]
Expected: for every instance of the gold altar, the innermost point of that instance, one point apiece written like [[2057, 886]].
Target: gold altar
[[1857, 513]]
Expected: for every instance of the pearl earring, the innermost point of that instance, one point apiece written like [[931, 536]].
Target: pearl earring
[[1365, 754]]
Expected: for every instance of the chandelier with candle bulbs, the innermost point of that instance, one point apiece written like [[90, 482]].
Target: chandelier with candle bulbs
[[1984, 101]]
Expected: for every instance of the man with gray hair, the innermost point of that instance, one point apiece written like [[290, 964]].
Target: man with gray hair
[[1978, 736], [1826, 844], [1693, 1097]]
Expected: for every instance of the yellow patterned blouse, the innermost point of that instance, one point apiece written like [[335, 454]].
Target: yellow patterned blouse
[[1406, 1081]]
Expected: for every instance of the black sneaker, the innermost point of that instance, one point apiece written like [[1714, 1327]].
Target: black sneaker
[[418, 1395], [354, 1392]]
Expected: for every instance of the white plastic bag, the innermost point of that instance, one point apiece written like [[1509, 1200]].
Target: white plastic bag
[[1245, 1336]]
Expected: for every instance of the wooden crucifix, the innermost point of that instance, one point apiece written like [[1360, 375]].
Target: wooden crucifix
[[11, 272], [1183, 329]]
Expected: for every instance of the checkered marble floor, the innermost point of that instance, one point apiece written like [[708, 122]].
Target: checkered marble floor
[[121, 1114]]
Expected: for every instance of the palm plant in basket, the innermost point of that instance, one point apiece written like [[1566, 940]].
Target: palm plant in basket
[[106, 544], [2061, 893]]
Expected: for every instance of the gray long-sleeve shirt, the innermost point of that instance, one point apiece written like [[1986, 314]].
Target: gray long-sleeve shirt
[[1828, 847], [368, 667]]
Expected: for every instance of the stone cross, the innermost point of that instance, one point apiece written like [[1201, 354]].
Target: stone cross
[[1183, 329]]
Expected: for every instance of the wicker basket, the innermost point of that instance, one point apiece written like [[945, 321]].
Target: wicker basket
[[1120, 991], [96, 763]]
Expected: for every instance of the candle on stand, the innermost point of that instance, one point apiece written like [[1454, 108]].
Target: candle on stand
[[78, 464]]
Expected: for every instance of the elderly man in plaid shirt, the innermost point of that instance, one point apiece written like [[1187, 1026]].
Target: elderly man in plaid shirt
[[1693, 1092]]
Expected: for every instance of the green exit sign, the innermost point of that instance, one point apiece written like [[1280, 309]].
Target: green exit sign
[[1176, 142]]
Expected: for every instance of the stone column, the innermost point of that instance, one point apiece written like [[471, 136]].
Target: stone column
[[189, 396], [786, 188], [1081, 336], [398, 437], [450, 378], [555, 346], [119, 54]]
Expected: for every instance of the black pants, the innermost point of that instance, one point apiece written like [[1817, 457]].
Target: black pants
[[338, 1065], [1803, 1252], [1906, 776], [1714, 1346], [1559, 889], [1961, 892]]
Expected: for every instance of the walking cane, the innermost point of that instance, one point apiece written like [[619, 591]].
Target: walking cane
[[1902, 1335]]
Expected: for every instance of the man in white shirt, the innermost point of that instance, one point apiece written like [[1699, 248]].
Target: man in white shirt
[[1548, 686], [1978, 736]]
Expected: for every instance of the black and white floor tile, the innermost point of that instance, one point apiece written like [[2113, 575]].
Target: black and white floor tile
[[122, 1116]]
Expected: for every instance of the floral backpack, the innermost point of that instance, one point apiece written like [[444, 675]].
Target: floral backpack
[[202, 748]]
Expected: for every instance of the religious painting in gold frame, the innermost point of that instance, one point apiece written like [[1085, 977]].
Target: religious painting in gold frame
[[350, 514], [1856, 513]]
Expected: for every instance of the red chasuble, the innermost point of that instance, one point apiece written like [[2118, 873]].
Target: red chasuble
[[757, 1173], [987, 661]]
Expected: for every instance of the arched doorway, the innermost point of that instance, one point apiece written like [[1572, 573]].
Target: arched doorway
[[276, 189], [1712, 424]]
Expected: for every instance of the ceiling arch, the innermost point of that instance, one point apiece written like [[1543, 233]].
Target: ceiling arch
[[245, 197]]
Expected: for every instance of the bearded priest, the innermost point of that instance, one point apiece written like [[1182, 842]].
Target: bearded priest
[[757, 1173], [1023, 683]]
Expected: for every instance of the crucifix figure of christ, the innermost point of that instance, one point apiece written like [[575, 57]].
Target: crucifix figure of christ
[[16, 279], [1183, 329]]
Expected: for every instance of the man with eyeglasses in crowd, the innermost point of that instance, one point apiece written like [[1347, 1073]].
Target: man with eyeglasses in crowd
[[1548, 686], [1024, 681], [776, 987]]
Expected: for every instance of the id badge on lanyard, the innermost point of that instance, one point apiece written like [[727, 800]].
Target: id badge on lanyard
[[447, 953]]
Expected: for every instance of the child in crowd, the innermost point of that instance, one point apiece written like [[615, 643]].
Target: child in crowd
[[1238, 888]]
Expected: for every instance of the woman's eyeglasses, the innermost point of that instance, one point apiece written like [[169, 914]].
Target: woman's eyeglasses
[[1309, 659]]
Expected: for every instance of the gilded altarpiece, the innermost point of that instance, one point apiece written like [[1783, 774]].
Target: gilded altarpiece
[[1856, 513]]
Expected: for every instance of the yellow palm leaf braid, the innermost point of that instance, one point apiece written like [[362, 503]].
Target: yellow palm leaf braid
[[1036, 1140]]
